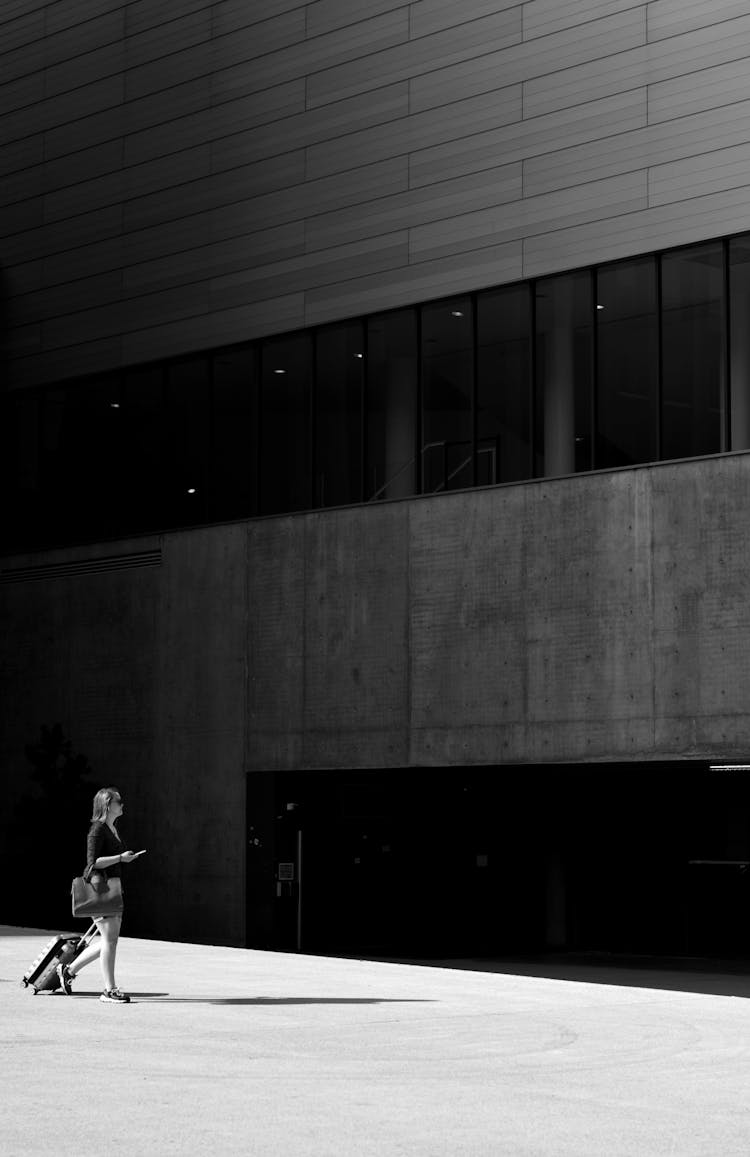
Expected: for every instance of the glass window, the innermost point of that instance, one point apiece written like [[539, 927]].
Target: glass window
[[57, 447], [391, 406], [504, 385], [627, 363], [339, 375], [693, 351], [614, 366], [187, 440], [52, 483], [22, 508], [739, 331], [285, 424], [234, 458], [447, 387], [141, 414], [564, 344], [81, 449]]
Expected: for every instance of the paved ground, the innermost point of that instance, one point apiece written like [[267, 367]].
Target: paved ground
[[228, 1051]]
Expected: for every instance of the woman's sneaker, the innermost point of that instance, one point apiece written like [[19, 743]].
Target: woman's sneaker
[[114, 996], [65, 978]]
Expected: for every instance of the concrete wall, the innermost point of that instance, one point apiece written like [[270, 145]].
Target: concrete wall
[[595, 618], [186, 174]]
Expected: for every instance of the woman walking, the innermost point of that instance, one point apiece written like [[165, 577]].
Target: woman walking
[[105, 854]]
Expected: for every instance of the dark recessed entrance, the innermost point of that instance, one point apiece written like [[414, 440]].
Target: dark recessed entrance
[[435, 862]]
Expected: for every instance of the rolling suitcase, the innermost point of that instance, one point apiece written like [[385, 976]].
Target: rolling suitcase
[[42, 975]]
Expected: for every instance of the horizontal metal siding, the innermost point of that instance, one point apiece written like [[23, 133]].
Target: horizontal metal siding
[[58, 17], [696, 91], [543, 17], [330, 15], [711, 172], [661, 226], [672, 17], [437, 201], [62, 237], [561, 209], [181, 175], [539, 56], [208, 192], [421, 130], [312, 127], [25, 29], [231, 14], [538, 136], [217, 327], [29, 112], [21, 155], [428, 16], [648, 64], [66, 48], [85, 293], [218, 258], [405, 60], [428, 279], [687, 137], [17, 9]]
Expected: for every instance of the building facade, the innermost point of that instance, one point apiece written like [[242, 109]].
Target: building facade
[[376, 426]]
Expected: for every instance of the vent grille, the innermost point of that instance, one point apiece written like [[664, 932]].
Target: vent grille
[[84, 566]]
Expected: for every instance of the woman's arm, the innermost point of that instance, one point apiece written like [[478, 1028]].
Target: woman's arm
[[93, 844], [109, 861]]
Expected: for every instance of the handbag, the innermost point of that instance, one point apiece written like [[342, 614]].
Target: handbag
[[94, 895]]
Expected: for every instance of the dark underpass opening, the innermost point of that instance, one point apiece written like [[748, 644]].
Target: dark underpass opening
[[630, 859]]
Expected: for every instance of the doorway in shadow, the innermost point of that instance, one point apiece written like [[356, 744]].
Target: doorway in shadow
[[641, 859]]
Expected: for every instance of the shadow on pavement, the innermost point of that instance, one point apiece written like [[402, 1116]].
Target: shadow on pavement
[[677, 974], [9, 930], [165, 998]]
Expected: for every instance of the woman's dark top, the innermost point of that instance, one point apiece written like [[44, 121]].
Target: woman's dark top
[[102, 842]]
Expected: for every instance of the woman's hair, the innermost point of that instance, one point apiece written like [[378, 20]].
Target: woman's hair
[[102, 800]]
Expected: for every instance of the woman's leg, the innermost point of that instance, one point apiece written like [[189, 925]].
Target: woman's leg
[[109, 927], [87, 955]]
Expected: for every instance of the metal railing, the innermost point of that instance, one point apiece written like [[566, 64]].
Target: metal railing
[[448, 476]]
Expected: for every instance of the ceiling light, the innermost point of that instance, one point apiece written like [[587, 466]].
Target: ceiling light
[[114, 405], [359, 355], [191, 490], [279, 371], [456, 313], [600, 307]]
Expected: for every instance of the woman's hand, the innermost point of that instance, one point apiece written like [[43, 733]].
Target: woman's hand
[[128, 857]]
